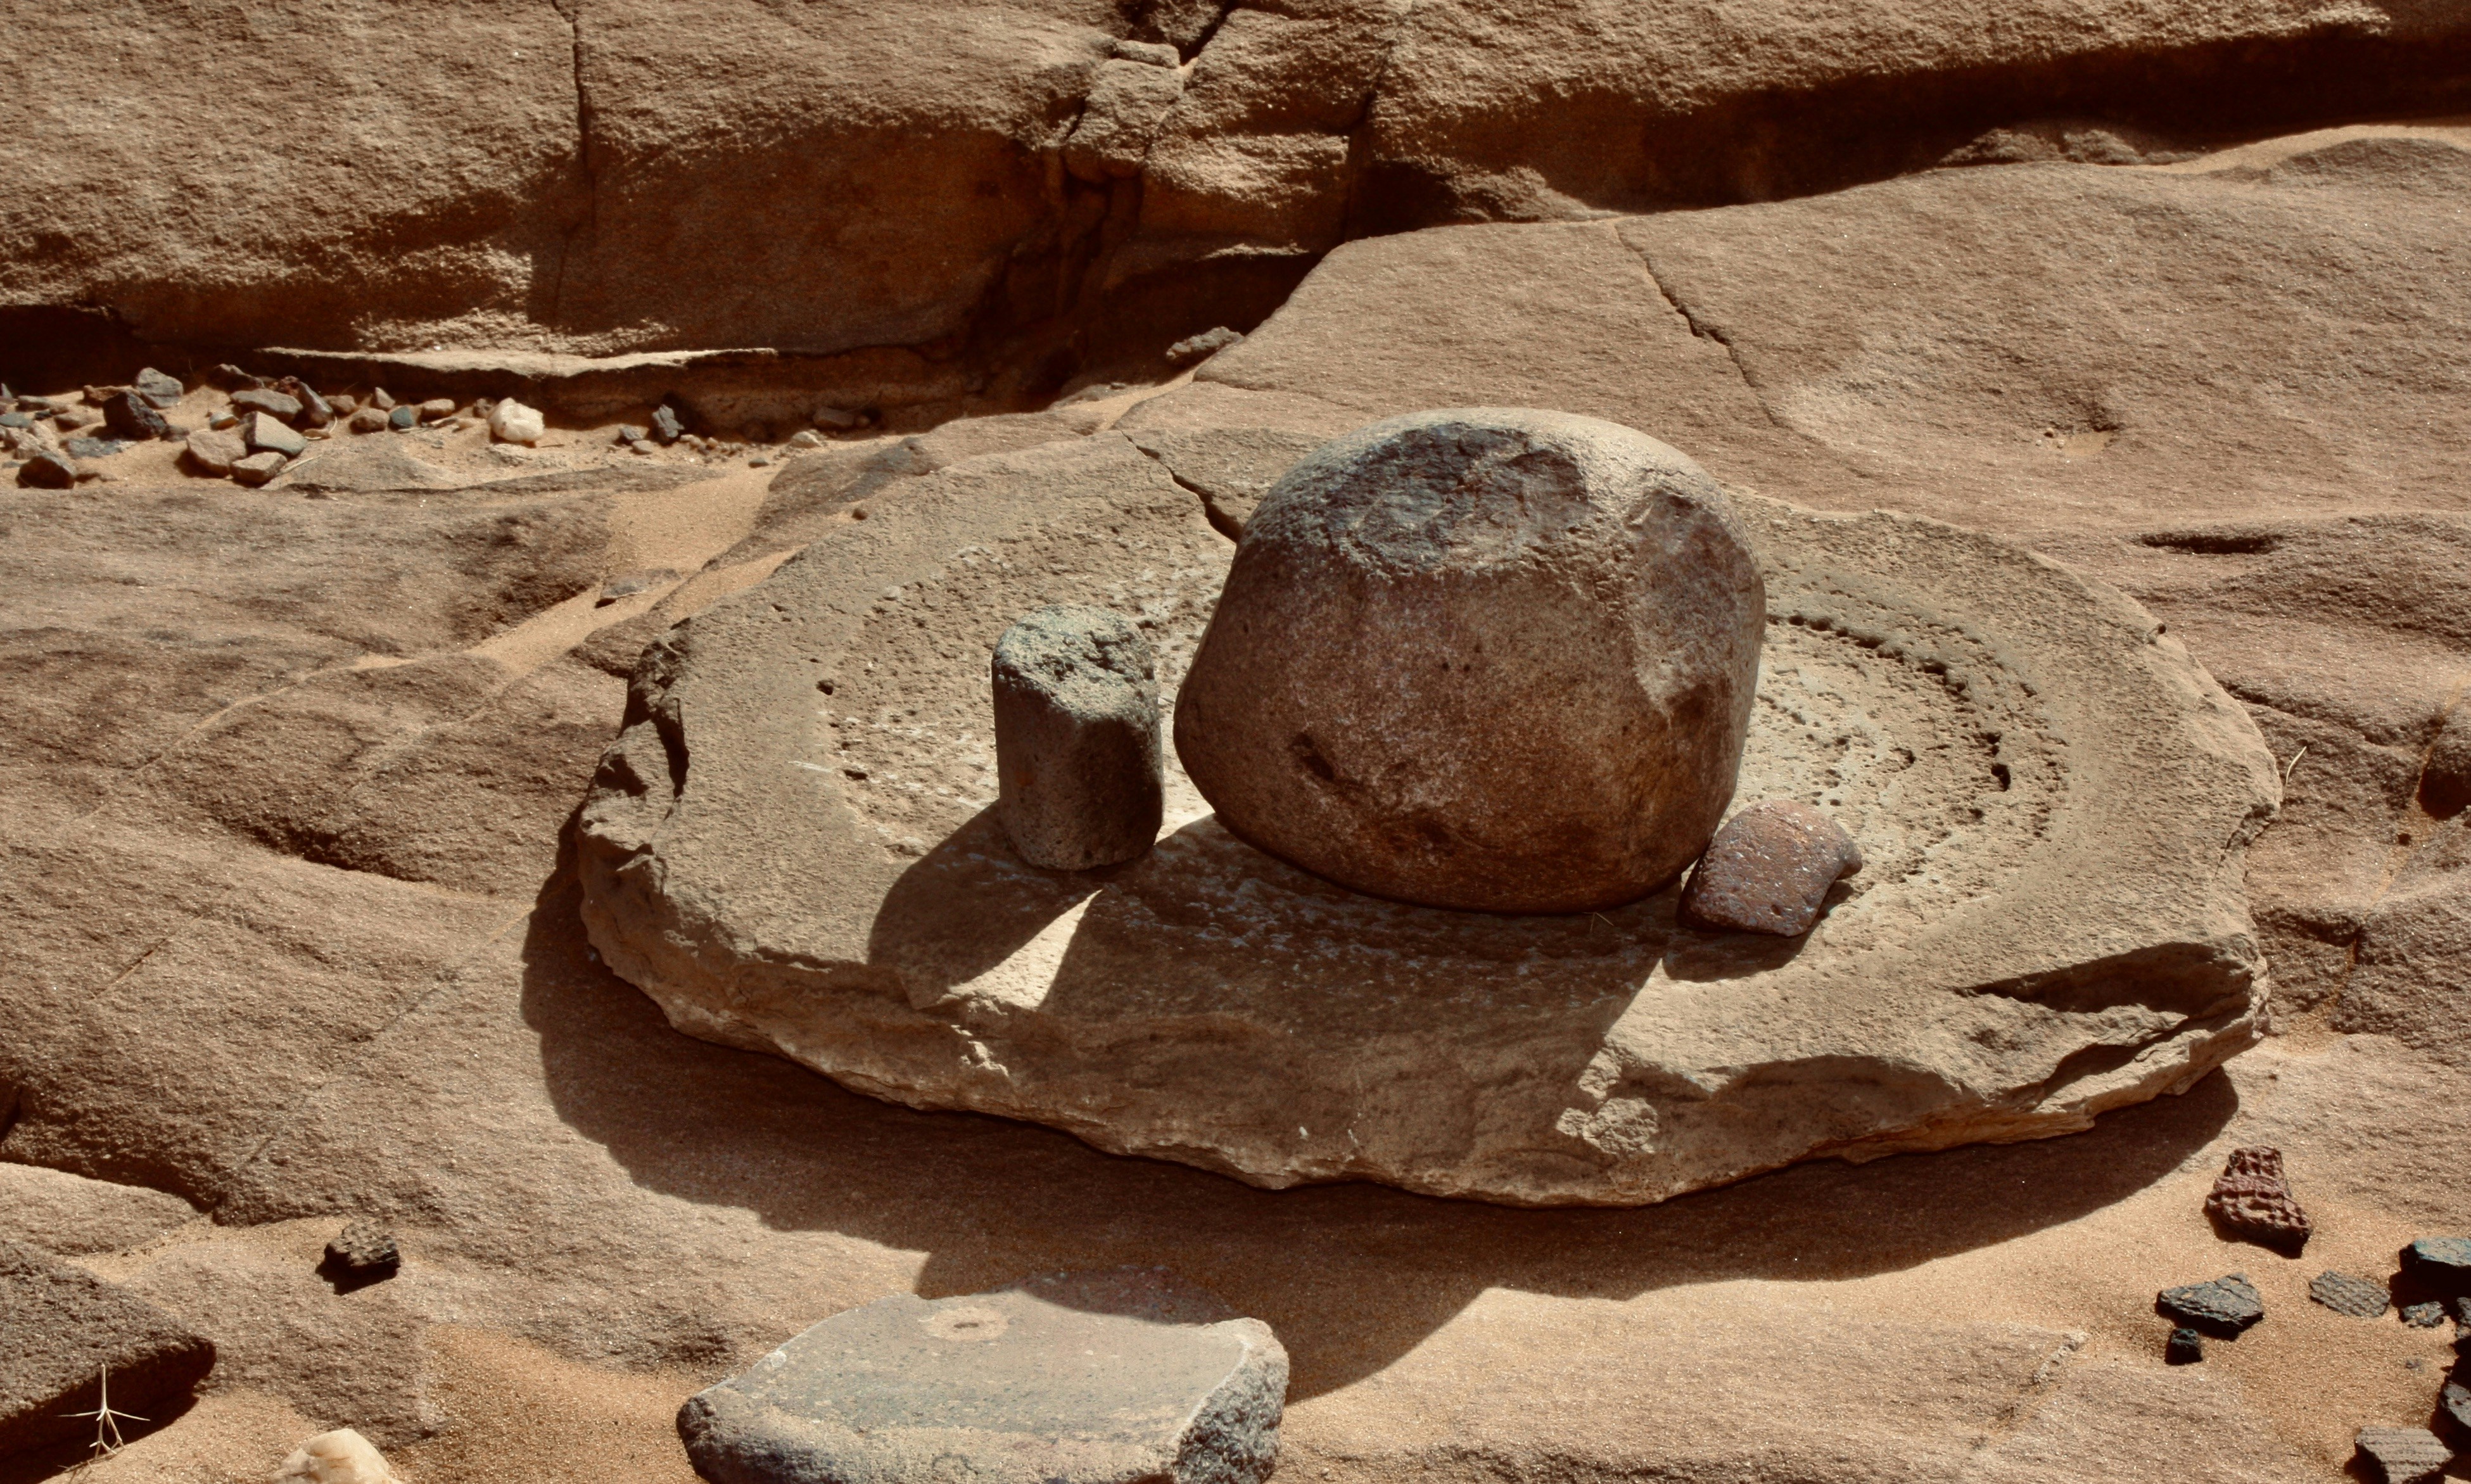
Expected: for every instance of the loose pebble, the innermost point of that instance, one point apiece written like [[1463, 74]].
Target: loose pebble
[[513, 422], [258, 468], [338, 1457], [2223, 1307]]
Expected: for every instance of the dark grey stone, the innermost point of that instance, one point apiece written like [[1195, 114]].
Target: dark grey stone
[[266, 399], [2439, 1264], [1081, 1378], [315, 410], [838, 419], [2185, 1347], [15, 420], [265, 434], [135, 418], [403, 418], [668, 427], [628, 433], [158, 388], [44, 469], [93, 448], [2223, 1307], [229, 377], [1769, 870], [2423, 1316], [2454, 1401], [2348, 1293], [2402, 1455], [1193, 349], [60, 1326], [364, 1253], [1076, 739]]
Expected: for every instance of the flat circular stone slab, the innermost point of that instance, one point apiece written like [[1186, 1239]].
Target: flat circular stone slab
[[791, 847]]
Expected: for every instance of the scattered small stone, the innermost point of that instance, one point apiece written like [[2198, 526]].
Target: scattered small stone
[[280, 405], [221, 418], [1202, 346], [1075, 1378], [378, 399], [316, 412], [758, 461], [2454, 1401], [645, 446], [513, 422], [15, 420], [1158, 54], [338, 1457], [628, 434], [229, 377], [2423, 1316], [2402, 1455], [807, 438], [2348, 1293], [216, 452], [2439, 1264], [667, 426], [68, 415], [135, 418], [344, 404], [263, 434], [438, 410], [158, 388], [2185, 1347], [2223, 1307], [44, 469], [837, 419], [1769, 870], [2252, 1201], [368, 419], [93, 448], [258, 468], [1076, 739], [403, 419], [364, 1253], [633, 582], [451, 425]]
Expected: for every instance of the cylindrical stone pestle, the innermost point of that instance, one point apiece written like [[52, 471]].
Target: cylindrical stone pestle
[[1076, 739]]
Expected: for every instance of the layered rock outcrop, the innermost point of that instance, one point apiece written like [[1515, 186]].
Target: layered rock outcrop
[[998, 196]]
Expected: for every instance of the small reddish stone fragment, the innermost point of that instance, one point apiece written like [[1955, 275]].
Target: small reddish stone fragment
[[2253, 1202], [1769, 870]]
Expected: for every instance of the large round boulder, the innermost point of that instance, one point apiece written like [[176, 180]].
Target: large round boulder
[[1485, 658]]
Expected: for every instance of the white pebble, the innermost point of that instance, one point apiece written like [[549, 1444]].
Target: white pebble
[[513, 422], [338, 1457]]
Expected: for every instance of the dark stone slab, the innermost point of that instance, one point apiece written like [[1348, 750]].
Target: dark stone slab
[[162, 390], [2423, 1316], [2185, 1347], [1080, 1379], [2348, 1293], [60, 1327], [266, 399], [2402, 1455], [2251, 1201], [2223, 1307], [1769, 870], [2439, 1264]]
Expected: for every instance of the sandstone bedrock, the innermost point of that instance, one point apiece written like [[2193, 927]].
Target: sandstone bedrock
[[1487, 658]]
